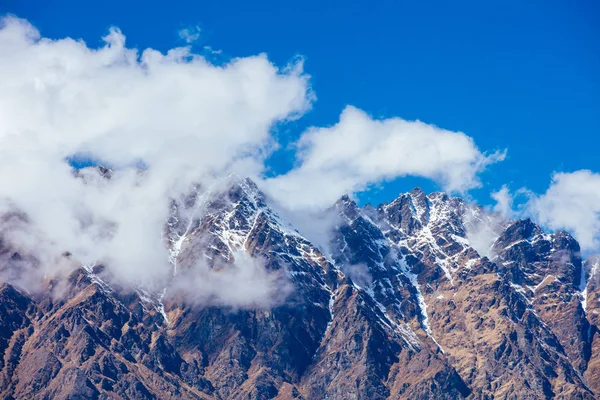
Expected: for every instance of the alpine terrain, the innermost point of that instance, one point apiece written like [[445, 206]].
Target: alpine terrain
[[426, 297]]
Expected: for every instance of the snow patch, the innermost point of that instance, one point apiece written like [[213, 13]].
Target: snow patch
[[421, 301]]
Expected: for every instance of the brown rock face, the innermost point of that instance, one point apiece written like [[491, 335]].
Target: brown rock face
[[400, 306], [592, 302]]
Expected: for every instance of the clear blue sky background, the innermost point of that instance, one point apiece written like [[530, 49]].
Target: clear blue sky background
[[521, 75]]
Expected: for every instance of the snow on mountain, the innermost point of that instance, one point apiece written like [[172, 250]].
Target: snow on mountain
[[423, 297]]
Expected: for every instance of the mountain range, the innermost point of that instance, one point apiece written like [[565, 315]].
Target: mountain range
[[425, 297]]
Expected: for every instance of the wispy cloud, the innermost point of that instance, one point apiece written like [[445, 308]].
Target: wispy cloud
[[504, 202], [190, 34]]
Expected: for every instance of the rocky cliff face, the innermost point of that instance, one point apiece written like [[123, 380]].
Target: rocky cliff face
[[400, 305]]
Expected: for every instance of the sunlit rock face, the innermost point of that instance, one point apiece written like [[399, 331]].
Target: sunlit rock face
[[408, 300]]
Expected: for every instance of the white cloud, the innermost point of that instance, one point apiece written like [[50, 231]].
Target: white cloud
[[360, 150], [483, 227], [186, 119], [180, 115], [504, 202], [247, 283], [360, 274], [572, 202], [190, 34]]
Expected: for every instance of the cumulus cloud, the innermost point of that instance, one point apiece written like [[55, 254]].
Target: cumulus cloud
[[572, 202], [360, 150], [177, 114], [164, 121]]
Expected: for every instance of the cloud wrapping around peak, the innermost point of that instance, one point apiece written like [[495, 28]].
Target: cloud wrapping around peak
[[504, 202], [246, 284], [176, 113], [572, 202], [186, 120], [359, 151]]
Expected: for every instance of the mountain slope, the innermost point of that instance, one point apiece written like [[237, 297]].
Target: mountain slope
[[400, 305]]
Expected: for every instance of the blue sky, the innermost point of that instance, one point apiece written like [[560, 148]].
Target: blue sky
[[522, 77]]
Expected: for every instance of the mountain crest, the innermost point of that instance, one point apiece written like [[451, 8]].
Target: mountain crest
[[403, 307]]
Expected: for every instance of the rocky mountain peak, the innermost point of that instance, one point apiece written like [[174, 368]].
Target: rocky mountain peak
[[402, 306]]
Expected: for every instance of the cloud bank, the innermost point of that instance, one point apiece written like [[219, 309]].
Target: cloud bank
[[181, 117], [164, 121]]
